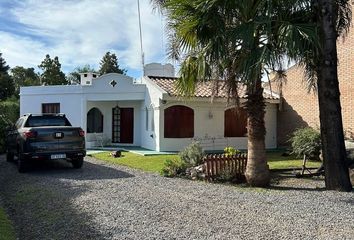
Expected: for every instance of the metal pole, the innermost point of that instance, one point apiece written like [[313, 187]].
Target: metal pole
[[141, 39]]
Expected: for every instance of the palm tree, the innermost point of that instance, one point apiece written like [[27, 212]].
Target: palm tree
[[319, 58], [334, 17], [236, 41]]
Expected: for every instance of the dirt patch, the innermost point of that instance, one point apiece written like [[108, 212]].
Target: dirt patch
[[290, 180]]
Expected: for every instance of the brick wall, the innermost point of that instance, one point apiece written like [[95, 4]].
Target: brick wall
[[300, 108]]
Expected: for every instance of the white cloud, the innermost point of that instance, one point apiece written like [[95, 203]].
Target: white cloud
[[80, 32], [21, 51]]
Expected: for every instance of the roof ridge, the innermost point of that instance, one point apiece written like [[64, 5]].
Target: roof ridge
[[164, 77]]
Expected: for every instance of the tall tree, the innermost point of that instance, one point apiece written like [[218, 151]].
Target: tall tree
[[334, 17], [235, 41], [109, 64], [52, 74], [74, 76], [24, 77], [7, 87]]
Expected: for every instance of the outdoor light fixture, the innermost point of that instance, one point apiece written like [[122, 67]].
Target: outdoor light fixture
[[210, 114]]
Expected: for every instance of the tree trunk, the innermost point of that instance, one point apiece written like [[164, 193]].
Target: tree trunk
[[333, 148], [257, 170]]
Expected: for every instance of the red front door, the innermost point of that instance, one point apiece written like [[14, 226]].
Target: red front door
[[122, 125]]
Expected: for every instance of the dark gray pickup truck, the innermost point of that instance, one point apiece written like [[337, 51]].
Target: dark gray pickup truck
[[41, 137]]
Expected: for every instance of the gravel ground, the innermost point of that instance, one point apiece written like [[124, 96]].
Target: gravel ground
[[102, 201]]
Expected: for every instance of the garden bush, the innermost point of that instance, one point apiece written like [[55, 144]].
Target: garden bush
[[230, 151], [192, 155], [9, 113], [173, 167], [306, 141]]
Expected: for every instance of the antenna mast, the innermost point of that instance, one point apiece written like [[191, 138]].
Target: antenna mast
[[141, 39]]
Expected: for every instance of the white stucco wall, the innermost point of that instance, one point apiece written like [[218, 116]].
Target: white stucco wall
[[150, 139], [271, 126], [158, 69], [76, 100], [205, 127], [210, 131], [69, 97]]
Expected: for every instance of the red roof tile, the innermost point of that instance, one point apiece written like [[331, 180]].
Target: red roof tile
[[205, 89]]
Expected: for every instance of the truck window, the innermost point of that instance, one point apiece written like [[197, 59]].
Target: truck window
[[39, 121]]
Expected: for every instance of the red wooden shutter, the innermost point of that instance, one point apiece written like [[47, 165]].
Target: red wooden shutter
[[235, 123], [50, 107], [179, 122]]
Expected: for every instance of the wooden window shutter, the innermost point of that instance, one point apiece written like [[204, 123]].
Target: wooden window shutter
[[179, 122], [235, 123], [50, 107]]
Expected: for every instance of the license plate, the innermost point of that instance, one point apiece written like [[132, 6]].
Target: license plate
[[59, 135], [58, 156]]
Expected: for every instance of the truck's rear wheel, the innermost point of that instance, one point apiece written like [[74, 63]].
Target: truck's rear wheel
[[77, 162], [9, 156], [22, 164]]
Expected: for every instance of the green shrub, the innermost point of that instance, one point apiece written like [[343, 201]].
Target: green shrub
[[230, 151], [192, 155], [9, 113], [306, 141], [173, 168]]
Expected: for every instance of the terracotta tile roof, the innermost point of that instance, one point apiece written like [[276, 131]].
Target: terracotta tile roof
[[205, 89]]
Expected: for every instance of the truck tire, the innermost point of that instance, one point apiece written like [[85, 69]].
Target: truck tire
[[9, 156], [22, 165], [77, 162]]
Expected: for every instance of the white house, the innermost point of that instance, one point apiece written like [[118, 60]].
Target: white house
[[149, 113]]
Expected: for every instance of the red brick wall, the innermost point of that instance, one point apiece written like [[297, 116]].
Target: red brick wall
[[301, 108], [346, 82]]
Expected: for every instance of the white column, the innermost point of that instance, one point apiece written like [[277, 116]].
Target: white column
[[83, 114]]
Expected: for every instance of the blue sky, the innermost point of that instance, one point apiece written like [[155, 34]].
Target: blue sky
[[80, 32]]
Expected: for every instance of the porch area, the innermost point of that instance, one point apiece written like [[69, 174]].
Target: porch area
[[111, 123]]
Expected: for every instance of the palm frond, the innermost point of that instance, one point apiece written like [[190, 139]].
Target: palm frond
[[344, 16], [158, 5]]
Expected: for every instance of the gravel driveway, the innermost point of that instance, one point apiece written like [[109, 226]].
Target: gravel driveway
[[103, 201]]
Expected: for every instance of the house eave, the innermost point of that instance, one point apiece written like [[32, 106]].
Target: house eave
[[152, 83], [168, 97]]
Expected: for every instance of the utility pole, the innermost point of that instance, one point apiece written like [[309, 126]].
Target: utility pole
[[141, 40]]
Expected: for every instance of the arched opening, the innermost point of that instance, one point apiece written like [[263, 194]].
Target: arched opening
[[94, 121]]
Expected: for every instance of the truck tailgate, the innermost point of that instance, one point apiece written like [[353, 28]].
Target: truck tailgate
[[57, 139]]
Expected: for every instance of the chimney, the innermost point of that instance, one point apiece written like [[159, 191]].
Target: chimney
[[86, 78], [159, 70]]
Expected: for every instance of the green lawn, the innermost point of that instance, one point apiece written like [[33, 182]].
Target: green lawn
[[155, 163], [277, 161], [152, 163], [7, 231]]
